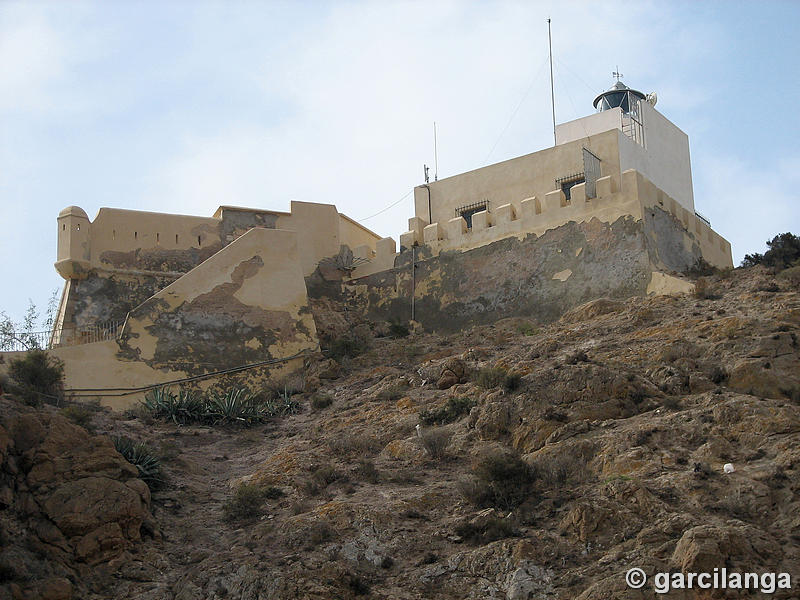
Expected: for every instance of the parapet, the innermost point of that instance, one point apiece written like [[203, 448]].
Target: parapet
[[537, 215]]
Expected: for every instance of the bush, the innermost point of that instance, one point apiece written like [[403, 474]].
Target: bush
[[246, 503], [398, 329], [557, 469], [38, 375], [320, 401], [391, 393], [451, 411], [80, 415], [355, 444], [784, 252], [792, 275], [491, 530], [346, 346], [366, 470], [501, 479], [435, 442], [718, 374], [489, 378], [318, 533], [704, 291], [527, 328], [321, 477], [145, 460]]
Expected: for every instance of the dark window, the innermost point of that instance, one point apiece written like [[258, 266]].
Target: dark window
[[566, 186], [467, 211]]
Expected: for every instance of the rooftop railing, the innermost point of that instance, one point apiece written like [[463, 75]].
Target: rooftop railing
[[20, 341]]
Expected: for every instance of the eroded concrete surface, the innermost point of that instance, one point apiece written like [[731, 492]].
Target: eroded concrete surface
[[540, 277]]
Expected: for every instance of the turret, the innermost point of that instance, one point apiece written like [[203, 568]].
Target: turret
[[73, 243]]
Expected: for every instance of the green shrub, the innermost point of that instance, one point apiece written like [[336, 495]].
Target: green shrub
[[491, 530], [321, 400], [512, 381], [318, 533], [273, 493], [366, 470], [346, 346], [792, 275], [245, 503], [355, 445], [492, 377], [391, 393], [398, 329], [40, 377], [556, 470], [527, 328], [784, 252], [435, 442], [450, 412], [501, 479], [80, 415], [145, 460]]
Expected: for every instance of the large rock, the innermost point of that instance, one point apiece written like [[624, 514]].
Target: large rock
[[78, 493], [758, 377], [705, 547]]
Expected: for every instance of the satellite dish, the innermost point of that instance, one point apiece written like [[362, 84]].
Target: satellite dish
[[652, 98]]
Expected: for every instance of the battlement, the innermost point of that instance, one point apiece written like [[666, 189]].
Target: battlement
[[537, 215], [168, 245]]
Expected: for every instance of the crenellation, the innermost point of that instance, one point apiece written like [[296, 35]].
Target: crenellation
[[456, 229], [433, 233], [505, 214], [605, 186], [481, 221], [554, 200]]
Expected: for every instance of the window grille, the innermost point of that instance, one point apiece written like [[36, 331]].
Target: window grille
[[468, 210]]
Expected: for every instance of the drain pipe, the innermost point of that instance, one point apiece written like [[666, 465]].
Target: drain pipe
[[430, 216], [413, 277]]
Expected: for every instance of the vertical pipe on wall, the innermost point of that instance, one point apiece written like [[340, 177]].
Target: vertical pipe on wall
[[413, 278]]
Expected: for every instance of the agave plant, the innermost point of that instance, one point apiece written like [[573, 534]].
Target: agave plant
[[181, 408], [146, 462], [157, 401], [234, 406]]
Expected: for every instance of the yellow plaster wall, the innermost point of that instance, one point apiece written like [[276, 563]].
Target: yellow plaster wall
[[511, 181], [262, 271], [124, 231], [716, 250]]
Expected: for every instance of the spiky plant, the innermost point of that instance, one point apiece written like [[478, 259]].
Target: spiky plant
[[234, 406], [180, 408], [143, 458]]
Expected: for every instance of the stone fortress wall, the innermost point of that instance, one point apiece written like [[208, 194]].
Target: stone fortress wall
[[192, 297]]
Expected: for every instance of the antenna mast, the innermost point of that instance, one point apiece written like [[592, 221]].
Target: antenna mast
[[552, 93], [435, 155]]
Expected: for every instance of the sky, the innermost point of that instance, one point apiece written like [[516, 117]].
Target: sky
[[184, 106]]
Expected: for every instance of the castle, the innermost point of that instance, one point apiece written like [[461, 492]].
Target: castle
[[606, 212]]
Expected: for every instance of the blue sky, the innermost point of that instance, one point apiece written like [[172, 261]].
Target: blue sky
[[184, 106]]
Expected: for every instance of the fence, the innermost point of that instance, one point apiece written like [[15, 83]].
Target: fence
[[11, 341]]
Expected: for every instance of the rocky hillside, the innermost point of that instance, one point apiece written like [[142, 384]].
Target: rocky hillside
[[514, 461]]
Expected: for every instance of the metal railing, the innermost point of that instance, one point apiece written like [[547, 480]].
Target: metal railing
[[16, 341], [702, 218]]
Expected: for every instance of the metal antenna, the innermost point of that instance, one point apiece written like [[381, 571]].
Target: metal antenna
[[435, 155], [617, 74], [552, 92], [425, 170]]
